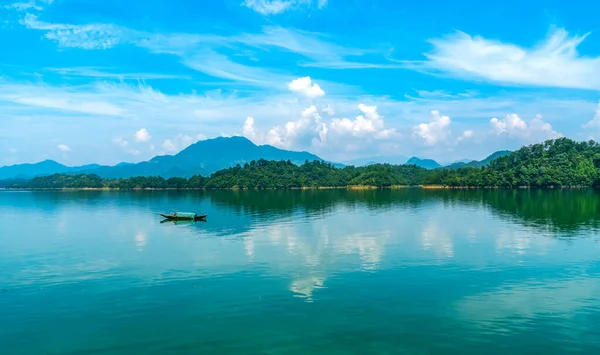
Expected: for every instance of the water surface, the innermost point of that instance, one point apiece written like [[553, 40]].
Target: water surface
[[301, 272]]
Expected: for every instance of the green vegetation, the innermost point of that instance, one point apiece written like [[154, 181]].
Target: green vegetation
[[560, 162], [261, 174], [479, 164], [424, 163]]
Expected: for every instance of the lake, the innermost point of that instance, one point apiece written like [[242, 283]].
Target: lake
[[407, 271]]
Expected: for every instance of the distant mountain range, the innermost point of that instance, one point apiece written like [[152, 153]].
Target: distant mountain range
[[206, 157], [379, 159], [478, 164], [424, 163], [46, 167]]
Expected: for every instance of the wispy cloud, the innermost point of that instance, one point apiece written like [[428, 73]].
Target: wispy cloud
[[29, 5], [64, 99], [63, 148], [108, 73], [220, 66], [555, 62], [204, 52], [274, 7], [314, 46], [91, 36], [595, 122]]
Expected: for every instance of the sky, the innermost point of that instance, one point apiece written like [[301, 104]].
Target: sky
[[88, 81]]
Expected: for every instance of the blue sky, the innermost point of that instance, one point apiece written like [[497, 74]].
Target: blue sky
[[86, 81]]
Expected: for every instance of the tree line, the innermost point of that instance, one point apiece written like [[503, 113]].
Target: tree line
[[559, 162]]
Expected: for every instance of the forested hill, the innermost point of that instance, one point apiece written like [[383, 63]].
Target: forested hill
[[560, 162], [262, 174]]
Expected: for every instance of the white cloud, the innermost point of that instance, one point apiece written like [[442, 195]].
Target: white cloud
[[99, 72], [555, 62], [248, 130], [92, 36], [436, 131], [306, 87], [466, 135], [168, 146], [274, 7], [328, 110], [63, 148], [371, 122], [305, 132], [220, 66], [179, 143], [218, 112], [311, 132], [142, 135], [120, 142], [29, 5], [67, 99], [513, 126], [23, 6], [201, 52], [595, 122], [308, 44], [13, 150]]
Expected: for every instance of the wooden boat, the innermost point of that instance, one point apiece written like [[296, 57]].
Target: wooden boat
[[183, 216]]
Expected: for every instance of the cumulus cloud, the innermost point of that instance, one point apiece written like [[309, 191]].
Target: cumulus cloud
[[274, 7], [436, 131], [248, 130], [328, 110], [595, 122], [310, 131], [168, 146], [513, 126], [555, 62], [369, 122], [466, 135], [120, 142], [306, 87], [63, 148], [180, 142], [307, 131], [142, 135]]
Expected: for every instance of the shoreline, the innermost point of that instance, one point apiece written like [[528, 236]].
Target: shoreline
[[351, 187]]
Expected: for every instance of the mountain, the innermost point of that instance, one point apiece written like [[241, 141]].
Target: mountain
[[204, 157], [46, 167], [379, 159], [424, 163], [478, 164]]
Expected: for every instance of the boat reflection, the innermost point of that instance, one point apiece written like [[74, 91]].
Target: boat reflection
[[183, 222]]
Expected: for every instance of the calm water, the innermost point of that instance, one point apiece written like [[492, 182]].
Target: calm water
[[301, 272]]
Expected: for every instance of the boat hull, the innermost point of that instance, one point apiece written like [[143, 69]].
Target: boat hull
[[183, 218]]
